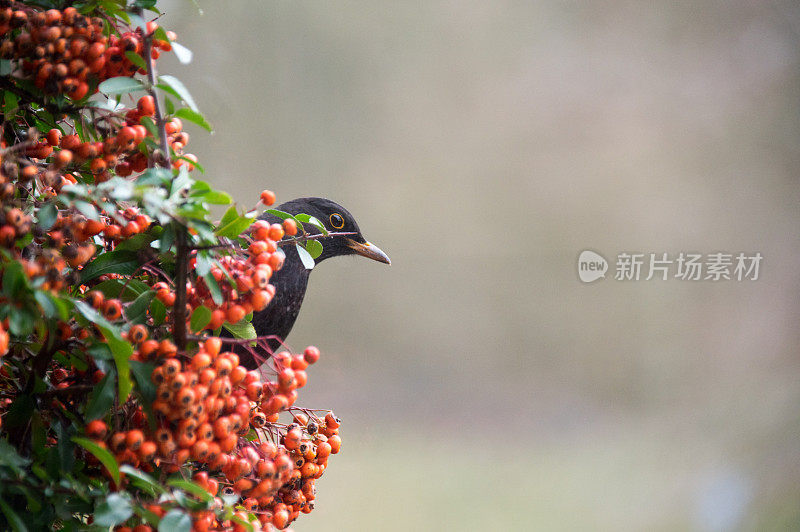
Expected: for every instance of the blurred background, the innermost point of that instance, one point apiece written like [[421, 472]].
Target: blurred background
[[483, 146]]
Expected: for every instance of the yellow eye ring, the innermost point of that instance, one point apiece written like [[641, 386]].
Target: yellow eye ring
[[337, 220]]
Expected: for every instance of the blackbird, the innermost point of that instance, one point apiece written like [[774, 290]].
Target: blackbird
[[291, 280]]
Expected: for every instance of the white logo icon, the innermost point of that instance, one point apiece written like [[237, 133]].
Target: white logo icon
[[591, 266]]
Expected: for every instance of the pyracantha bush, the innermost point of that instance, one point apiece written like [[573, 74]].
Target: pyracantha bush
[[121, 403]]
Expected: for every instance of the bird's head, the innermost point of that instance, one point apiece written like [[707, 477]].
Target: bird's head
[[336, 219]]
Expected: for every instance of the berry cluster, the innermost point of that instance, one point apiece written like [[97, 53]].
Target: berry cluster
[[90, 317], [65, 52], [214, 416], [250, 274], [120, 150]]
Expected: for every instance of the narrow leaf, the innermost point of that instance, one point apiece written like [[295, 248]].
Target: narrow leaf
[[136, 59], [101, 398], [183, 54], [143, 477], [305, 257], [137, 311], [17, 524], [103, 455], [117, 261], [194, 117], [180, 90], [200, 318], [120, 85]]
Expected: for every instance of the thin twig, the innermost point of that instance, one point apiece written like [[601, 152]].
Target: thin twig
[[182, 250], [152, 77]]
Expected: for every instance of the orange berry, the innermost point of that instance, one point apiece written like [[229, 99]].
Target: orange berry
[[335, 442], [148, 451], [201, 361], [54, 137], [95, 298], [331, 421], [146, 105], [112, 309], [62, 158], [212, 346], [275, 232], [311, 354], [96, 429], [292, 439], [138, 333], [134, 439], [290, 227], [267, 197], [235, 314]]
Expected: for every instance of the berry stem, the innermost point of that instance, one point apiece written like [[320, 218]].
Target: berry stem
[[182, 248], [165, 161]]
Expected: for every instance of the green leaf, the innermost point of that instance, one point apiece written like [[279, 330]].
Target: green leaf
[[136, 242], [229, 216], [216, 197], [87, 209], [248, 526], [170, 107], [158, 312], [102, 398], [161, 34], [23, 242], [115, 509], [143, 478], [190, 487], [233, 224], [15, 282], [125, 289], [183, 54], [10, 458], [118, 261], [136, 59], [137, 311], [150, 125], [21, 322], [106, 458], [141, 372], [154, 176], [307, 218], [314, 248], [194, 117], [52, 306], [13, 519], [120, 85], [280, 214], [213, 288], [178, 89], [121, 349], [242, 330], [175, 521], [47, 215], [305, 257], [100, 351], [200, 318], [11, 104]]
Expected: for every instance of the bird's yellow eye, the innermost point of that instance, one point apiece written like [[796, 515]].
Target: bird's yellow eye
[[337, 221]]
